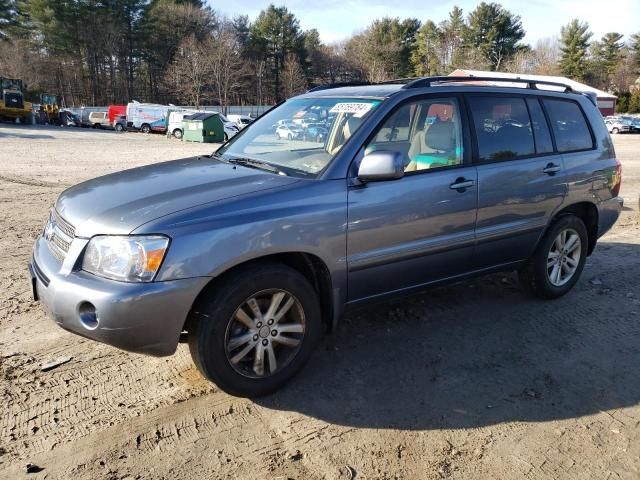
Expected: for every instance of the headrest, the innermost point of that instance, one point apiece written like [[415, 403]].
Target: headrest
[[441, 136]]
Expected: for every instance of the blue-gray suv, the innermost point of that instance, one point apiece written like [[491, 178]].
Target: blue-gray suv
[[250, 253]]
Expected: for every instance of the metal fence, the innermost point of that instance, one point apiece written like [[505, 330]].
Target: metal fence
[[252, 110]]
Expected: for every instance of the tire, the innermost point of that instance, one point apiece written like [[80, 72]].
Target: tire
[[145, 128], [213, 324], [119, 128], [97, 125], [536, 276], [177, 133], [615, 131]]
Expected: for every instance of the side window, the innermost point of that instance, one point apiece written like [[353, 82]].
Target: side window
[[396, 128], [569, 125], [427, 133], [540, 127], [502, 127]]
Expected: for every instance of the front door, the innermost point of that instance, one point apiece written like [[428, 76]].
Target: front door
[[420, 228]]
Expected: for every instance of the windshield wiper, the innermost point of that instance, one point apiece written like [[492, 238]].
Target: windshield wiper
[[251, 163]]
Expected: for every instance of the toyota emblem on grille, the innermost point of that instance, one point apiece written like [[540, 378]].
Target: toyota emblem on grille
[[48, 231]]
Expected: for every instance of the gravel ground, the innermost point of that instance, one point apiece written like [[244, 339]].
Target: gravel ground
[[475, 380]]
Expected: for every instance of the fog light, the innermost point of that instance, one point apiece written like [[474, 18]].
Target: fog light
[[88, 315]]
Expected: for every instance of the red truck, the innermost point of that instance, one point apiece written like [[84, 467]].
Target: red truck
[[114, 111]]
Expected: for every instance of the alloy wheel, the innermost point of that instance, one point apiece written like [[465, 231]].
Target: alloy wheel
[[564, 257], [265, 333]]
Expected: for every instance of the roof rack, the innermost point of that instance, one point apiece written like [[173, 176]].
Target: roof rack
[[426, 82]]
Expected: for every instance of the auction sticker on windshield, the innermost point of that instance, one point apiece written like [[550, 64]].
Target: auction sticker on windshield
[[357, 108]]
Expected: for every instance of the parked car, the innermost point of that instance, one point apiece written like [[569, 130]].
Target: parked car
[[230, 128], [289, 131], [250, 253], [616, 126], [315, 132], [240, 120], [633, 122], [120, 123], [99, 120]]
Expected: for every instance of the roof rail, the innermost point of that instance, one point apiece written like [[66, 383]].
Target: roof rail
[[338, 85], [426, 82]]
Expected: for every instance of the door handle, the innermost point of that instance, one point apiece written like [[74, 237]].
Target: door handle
[[551, 169], [461, 184]]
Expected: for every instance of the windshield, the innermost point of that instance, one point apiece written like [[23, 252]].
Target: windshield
[[301, 136]]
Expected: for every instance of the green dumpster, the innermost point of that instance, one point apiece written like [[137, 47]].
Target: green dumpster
[[203, 127]]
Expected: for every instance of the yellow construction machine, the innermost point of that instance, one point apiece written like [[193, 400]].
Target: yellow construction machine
[[12, 103], [49, 109]]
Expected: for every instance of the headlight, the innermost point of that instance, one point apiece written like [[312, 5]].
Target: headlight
[[125, 258]]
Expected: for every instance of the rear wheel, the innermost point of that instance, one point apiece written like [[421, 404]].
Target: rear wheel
[[559, 259], [256, 330], [119, 127], [615, 130], [177, 133], [145, 128]]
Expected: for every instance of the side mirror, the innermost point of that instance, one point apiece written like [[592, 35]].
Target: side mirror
[[380, 166]]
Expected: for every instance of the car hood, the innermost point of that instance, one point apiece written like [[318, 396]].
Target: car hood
[[121, 202]]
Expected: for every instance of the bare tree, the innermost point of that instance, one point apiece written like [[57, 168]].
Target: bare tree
[[226, 64], [189, 74], [541, 60], [293, 80]]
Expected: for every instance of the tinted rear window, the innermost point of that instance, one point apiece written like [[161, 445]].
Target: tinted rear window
[[502, 127], [569, 125]]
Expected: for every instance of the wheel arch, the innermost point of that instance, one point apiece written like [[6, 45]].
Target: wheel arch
[[312, 267], [588, 213]]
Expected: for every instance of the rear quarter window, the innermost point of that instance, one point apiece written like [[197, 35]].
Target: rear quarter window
[[569, 125]]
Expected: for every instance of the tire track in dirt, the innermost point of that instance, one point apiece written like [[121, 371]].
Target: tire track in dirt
[[32, 182], [92, 392]]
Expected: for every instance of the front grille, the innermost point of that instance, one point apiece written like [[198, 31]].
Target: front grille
[[60, 243], [65, 226], [59, 234]]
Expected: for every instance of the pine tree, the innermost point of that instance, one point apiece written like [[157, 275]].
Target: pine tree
[[494, 32], [427, 57], [575, 43]]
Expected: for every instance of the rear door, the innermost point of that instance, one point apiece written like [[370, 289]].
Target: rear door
[[521, 178], [420, 228]]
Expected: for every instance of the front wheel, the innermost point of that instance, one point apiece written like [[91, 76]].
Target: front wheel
[[615, 131], [252, 333], [145, 128], [119, 127], [177, 133], [559, 259]]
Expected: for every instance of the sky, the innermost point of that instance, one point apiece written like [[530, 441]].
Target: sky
[[339, 19]]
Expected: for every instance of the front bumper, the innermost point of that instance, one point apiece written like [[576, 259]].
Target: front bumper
[[139, 317]]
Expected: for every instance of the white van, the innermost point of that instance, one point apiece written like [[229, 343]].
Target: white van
[[147, 117], [174, 124]]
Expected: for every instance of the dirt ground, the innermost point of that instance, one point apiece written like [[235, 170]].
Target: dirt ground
[[475, 380]]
